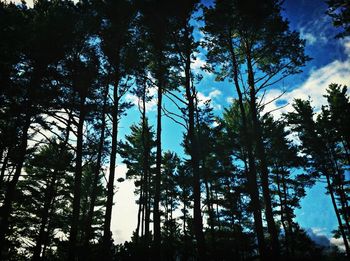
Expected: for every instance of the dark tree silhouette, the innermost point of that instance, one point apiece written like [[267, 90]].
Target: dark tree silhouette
[[69, 72]]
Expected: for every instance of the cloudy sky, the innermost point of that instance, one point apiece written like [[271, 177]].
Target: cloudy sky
[[330, 64]]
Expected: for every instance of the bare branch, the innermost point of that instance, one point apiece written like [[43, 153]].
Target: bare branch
[[278, 108], [176, 121], [179, 99]]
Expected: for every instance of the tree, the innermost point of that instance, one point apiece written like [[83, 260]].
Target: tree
[[339, 10], [316, 143], [138, 155], [253, 35], [45, 23], [42, 186], [185, 49], [169, 200], [84, 68], [116, 19], [289, 188]]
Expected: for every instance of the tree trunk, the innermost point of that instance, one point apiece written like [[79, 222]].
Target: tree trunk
[[252, 176], [45, 217], [137, 230], [110, 185], [283, 209], [194, 153], [145, 184], [6, 208], [156, 214], [260, 151], [88, 228], [211, 216], [334, 203], [72, 254], [3, 169], [340, 191], [289, 217], [143, 219]]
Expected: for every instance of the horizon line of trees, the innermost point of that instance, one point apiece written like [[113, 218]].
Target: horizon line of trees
[[65, 70]]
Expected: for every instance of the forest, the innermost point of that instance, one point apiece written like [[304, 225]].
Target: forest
[[230, 187]]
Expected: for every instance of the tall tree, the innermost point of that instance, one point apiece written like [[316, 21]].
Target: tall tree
[[155, 22], [116, 36], [259, 34], [44, 48], [185, 47], [138, 155], [315, 144], [84, 71], [97, 169]]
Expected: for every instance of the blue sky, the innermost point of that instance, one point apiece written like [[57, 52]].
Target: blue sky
[[330, 63]]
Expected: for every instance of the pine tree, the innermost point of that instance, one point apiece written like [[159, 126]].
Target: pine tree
[[116, 18], [257, 31], [44, 24], [316, 143]]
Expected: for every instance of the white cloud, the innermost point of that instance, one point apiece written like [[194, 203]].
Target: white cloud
[[318, 234], [316, 30], [338, 242], [215, 123], [150, 105], [197, 64], [309, 37], [202, 98], [319, 230], [215, 93], [124, 213], [230, 99], [29, 2], [314, 87]]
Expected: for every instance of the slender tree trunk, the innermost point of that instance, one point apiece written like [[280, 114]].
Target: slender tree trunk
[[3, 169], [340, 190], [97, 169], [217, 211], [6, 208], [50, 193], [288, 217], [110, 185], [260, 151], [137, 230], [185, 236], [145, 185], [334, 203], [147, 213], [252, 176], [45, 217], [283, 210], [46, 240], [143, 218], [156, 214], [72, 254], [194, 153], [211, 216]]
